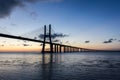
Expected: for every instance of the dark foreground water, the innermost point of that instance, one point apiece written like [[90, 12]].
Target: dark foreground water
[[68, 66]]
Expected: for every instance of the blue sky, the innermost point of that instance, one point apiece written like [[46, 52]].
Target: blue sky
[[84, 20]]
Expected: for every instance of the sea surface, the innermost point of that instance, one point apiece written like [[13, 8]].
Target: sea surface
[[60, 66]]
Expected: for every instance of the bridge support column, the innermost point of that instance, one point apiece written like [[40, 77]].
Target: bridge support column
[[80, 49], [73, 49], [55, 48], [77, 49], [60, 48], [51, 48], [43, 48], [70, 49], [64, 49], [67, 49], [51, 45]]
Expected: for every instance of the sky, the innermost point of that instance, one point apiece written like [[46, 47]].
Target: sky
[[92, 24]]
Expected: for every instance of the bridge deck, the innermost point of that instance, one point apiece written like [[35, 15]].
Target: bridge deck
[[39, 41]]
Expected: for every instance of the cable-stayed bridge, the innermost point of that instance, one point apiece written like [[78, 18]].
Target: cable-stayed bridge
[[47, 36]]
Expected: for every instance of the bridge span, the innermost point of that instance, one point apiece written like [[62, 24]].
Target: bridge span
[[54, 47]]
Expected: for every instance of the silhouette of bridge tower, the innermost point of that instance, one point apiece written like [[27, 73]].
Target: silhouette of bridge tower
[[58, 48], [47, 36]]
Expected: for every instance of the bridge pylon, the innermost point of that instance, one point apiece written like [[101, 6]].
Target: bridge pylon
[[44, 41]]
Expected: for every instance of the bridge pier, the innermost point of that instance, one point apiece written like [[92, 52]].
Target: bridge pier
[[51, 48], [75, 50], [79, 49], [67, 49], [60, 48], [64, 49], [83, 50], [57, 48], [71, 49]]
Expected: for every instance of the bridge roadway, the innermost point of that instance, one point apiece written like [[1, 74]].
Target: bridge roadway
[[57, 46]]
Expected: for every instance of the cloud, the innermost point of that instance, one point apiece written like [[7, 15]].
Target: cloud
[[87, 41], [7, 6], [41, 44], [2, 45], [13, 24], [109, 41], [33, 13], [25, 41], [56, 40], [35, 38], [4, 41], [54, 36], [67, 42], [25, 45]]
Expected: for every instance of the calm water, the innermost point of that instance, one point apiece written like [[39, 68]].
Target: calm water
[[65, 66]]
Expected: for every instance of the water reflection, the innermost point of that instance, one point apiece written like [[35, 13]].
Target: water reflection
[[27, 66], [57, 66], [47, 66]]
